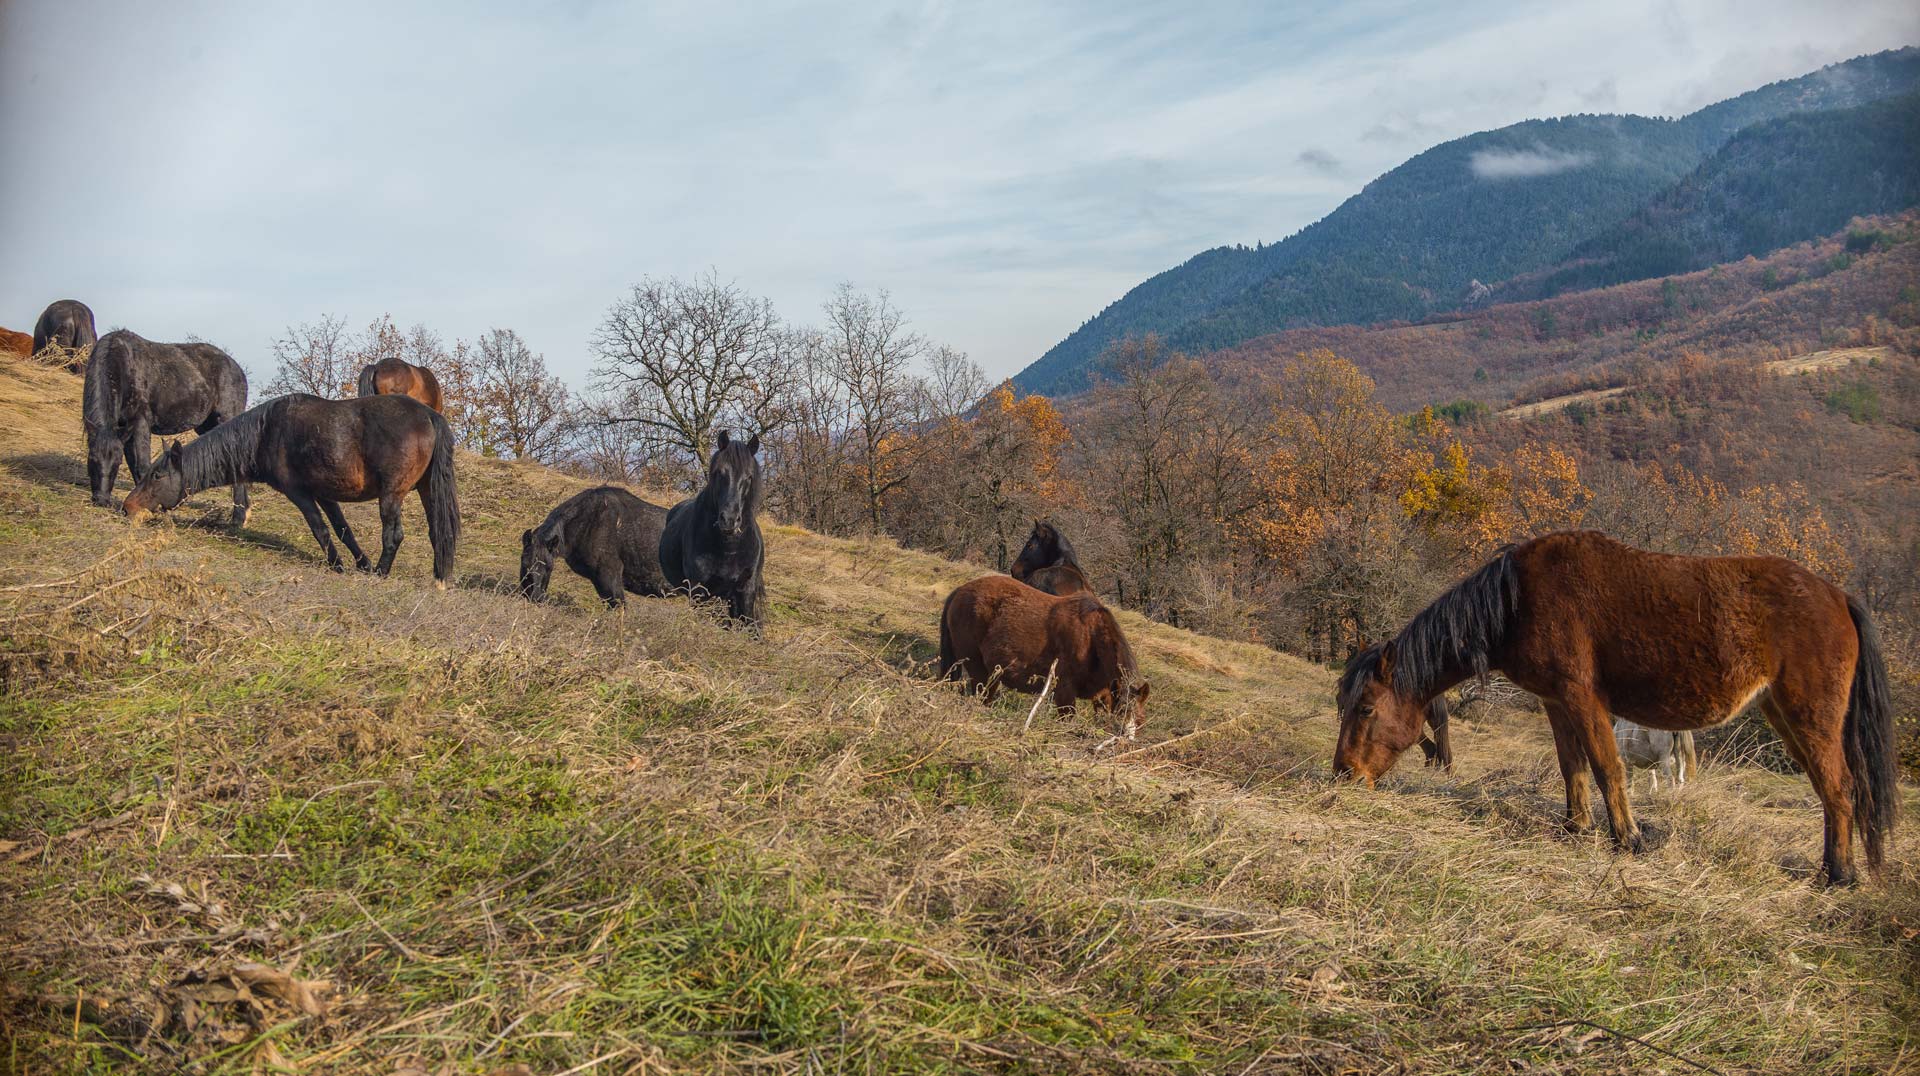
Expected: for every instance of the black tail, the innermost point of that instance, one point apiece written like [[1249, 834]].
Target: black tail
[[947, 658], [441, 501], [1869, 741], [366, 381]]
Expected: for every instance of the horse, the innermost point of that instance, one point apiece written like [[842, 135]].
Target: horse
[[607, 535], [1657, 752], [1047, 563], [319, 453], [999, 631], [136, 388], [711, 546], [66, 323], [398, 377], [1597, 628]]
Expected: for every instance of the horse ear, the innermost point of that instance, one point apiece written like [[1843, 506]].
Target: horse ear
[[526, 538], [1387, 655], [753, 445], [1141, 691], [173, 451], [726, 439]]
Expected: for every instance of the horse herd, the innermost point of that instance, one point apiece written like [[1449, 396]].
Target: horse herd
[[1597, 630]]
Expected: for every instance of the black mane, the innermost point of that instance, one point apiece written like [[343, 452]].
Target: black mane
[[226, 453], [1449, 640]]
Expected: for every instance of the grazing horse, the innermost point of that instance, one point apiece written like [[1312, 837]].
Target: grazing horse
[[136, 388], [320, 453], [1596, 628], [711, 546], [997, 625], [606, 534], [1655, 751], [398, 377], [65, 323], [1047, 563]]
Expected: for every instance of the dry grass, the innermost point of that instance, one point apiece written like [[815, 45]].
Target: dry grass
[[259, 817]]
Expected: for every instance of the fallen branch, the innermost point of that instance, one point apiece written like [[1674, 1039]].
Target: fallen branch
[[1046, 692]]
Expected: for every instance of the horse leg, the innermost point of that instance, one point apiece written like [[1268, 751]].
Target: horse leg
[[1573, 768], [389, 530], [611, 584], [1689, 756], [1591, 722], [1817, 748], [339, 521], [138, 446], [317, 523]]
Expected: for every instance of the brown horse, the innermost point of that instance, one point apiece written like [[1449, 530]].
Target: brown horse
[[398, 377], [319, 453], [1000, 625], [1047, 563], [1596, 628]]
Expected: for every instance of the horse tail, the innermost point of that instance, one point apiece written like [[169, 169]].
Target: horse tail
[[1869, 741], [442, 501], [366, 381], [97, 392], [948, 659]]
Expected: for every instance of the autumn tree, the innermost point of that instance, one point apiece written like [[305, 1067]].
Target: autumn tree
[[526, 407], [682, 359], [869, 355], [317, 358]]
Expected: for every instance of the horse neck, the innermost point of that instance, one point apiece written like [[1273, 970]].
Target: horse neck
[[222, 456]]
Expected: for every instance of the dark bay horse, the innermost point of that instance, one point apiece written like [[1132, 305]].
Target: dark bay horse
[[711, 546], [136, 388], [398, 377], [1597, 629], [65, 323], [1000, 625], [1047, 563], [607, 535], [320, 453]]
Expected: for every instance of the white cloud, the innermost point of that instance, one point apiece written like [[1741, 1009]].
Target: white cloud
[[1525, 163]]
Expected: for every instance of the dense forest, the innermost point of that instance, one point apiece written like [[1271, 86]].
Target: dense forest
[[1484, 208], [1775, 184]]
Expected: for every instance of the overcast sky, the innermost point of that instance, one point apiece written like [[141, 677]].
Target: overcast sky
[[224, 169]]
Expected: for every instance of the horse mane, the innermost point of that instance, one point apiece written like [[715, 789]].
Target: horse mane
[[96, 404], [1106, 626], [225, 454], [1452, 638]]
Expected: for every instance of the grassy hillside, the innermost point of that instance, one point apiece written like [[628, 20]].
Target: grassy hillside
[[258, 817]]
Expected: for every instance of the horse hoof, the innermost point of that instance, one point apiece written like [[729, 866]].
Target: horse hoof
[[439, 584]]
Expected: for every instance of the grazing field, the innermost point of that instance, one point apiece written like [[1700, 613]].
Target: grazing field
[[255, 816]]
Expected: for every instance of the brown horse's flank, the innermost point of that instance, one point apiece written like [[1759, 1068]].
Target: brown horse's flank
[[398, 377], [997, 631], [1597, 629]]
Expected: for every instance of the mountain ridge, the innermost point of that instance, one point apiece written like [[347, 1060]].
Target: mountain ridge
[[1485, 207]]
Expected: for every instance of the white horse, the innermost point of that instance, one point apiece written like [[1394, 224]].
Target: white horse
[[1657, 751]]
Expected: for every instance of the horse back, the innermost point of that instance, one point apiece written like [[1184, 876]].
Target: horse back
[[1671, 642]]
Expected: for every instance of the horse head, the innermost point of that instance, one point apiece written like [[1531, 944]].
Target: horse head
[[536, 562], [1045, 547], [1377, 722], [163, 489], [733, 484]]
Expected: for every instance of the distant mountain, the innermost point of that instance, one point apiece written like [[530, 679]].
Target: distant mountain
[[1487, 207], [1776, 183]]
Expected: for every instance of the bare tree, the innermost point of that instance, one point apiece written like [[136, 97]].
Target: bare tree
[[954, 382], [869, 355], [681, 359], [314, 358], [529, 408]]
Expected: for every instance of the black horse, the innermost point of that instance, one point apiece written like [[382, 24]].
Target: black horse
[[319, 453], [1047, 563], [136, 388], [65, 323], [607, 535], [711, 547]]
